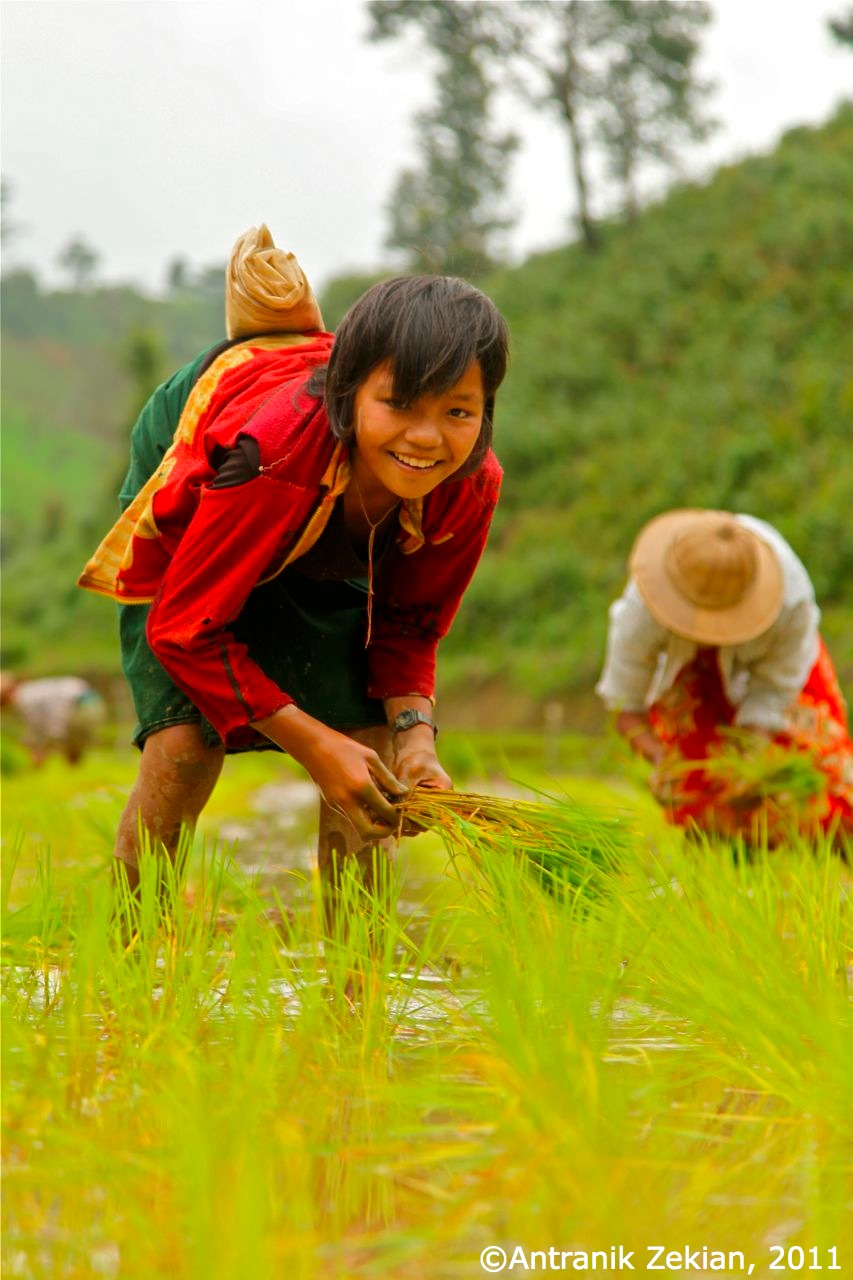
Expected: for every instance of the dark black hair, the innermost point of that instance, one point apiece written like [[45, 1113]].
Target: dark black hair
[[431, 328]]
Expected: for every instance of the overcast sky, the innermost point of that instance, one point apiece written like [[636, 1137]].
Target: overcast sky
[[164, 128]]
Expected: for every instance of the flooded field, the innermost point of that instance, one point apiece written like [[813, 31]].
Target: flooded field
[[463, 1070]]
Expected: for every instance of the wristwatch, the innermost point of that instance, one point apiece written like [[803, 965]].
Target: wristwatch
[[408, 720]]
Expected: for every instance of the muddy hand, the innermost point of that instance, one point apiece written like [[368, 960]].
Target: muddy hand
[[420, 769], [376, 814], [355, 782]]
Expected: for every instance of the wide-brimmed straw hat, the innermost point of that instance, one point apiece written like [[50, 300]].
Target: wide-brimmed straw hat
[[707, 576]]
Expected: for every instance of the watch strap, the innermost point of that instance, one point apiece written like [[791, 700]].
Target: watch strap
[[409, 718]]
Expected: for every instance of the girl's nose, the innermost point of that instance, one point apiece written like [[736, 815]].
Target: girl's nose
[[424, 431]]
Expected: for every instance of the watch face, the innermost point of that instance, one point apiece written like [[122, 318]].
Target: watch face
[[408, 720]]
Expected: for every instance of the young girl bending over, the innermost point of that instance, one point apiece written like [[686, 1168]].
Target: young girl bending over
[[303, 546]]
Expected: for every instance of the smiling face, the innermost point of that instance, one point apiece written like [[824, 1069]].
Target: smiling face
[[405, 450]]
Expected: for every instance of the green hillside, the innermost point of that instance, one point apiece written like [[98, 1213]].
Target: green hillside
[[69, 402], [703, 357]]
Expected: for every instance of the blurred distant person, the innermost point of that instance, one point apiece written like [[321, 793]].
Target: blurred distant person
[[59, 714], [714, 643]]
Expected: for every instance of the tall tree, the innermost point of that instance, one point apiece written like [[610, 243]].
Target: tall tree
[[80, 260], [8, 229], [652, 100], [448, 213], [618, 74], [841, 26], [178, 275], [553, 37]]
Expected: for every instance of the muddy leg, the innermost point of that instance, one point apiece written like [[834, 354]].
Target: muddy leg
[[338, 838], [177, 773], [339, 842]]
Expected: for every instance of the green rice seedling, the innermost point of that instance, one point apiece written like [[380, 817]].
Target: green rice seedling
[[746, 774], [41, 918], [735, 946], [206, 1099], [567, 846]]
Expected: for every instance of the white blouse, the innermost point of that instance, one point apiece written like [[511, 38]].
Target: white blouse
[[761, 678]]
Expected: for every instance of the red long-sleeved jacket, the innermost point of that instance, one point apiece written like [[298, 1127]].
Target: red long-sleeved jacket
[[240, 536]]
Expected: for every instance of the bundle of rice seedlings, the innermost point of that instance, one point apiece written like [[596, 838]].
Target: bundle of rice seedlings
[[565, 845], [773, 772]]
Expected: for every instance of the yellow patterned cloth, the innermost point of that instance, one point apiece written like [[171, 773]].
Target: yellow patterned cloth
[[275, 358]]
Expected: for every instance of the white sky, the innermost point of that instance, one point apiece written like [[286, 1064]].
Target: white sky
[[160, 128]]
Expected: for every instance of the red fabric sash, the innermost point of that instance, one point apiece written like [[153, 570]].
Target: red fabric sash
[[689, 720], [131, 561]]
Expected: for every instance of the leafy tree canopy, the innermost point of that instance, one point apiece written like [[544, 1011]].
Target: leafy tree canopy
[[447, 214]]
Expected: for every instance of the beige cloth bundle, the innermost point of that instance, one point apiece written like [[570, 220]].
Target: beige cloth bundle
[[266, 290]]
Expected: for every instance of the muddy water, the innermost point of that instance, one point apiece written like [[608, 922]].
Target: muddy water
[[274, 844]]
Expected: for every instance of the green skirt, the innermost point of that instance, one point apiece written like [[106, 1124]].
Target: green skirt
[[306, 635]]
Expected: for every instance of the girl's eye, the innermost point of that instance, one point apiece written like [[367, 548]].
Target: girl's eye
[[394, 404], [459, 413]]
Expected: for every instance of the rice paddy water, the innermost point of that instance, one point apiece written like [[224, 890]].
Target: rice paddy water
[[556, 1034]]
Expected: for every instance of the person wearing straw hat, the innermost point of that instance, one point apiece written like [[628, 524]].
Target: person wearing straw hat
[[290, 565], [715, 643]]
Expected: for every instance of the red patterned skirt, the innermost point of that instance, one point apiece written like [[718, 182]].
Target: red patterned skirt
[[691, 720]]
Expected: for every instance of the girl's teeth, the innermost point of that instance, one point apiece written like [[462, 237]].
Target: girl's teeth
[[414, 462]]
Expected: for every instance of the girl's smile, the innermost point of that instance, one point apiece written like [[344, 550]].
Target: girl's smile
[[420, 464], [405, 450]]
